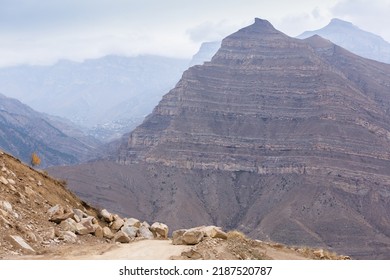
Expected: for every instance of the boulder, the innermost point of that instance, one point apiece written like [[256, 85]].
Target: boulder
[[192, 237], [130, 231], [107, 233], [159, 230], [117, 224], [58, 218], [145, 224], [69, 225], [20, 244], [145, 232], [69, 237], [99, 232], [177, 237], [80, 214], [121, 237], [11, 181], [56, 210], [86, 226], [132, 222], [106, 216], [3, 180], [213, 232], [6, 206]]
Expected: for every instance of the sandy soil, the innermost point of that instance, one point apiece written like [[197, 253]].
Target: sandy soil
[[141, 250]]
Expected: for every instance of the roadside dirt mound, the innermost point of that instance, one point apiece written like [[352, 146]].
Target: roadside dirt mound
[[240, 248], [26, 195]]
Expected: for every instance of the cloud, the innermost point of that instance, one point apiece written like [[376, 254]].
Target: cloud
[[39, 31], [210, 31], [372, 16]]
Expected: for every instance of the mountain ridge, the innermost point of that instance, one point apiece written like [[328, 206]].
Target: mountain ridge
[[25, 131], [351, 37], [107, 96]]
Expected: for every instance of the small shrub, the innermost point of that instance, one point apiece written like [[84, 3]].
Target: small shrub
[[35, 160], [236, 234]]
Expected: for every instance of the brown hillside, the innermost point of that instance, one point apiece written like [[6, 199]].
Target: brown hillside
[[25, 197]]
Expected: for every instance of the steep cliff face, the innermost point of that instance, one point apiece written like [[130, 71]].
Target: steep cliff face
[[282, 138], [268, 103]]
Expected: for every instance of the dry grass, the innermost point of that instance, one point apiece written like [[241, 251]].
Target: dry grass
[[235, 234]]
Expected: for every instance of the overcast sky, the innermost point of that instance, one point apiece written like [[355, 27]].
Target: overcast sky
[[44, 31]]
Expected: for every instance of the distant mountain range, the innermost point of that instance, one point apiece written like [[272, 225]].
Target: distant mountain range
[[352, 38], [342, 33], [205, 53], [109, 95], [281, 138], [56, 141]]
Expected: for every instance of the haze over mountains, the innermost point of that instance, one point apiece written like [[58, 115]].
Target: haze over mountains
[[340, 32], [24, 131], [352, 38], [109, 96], [279, 137]]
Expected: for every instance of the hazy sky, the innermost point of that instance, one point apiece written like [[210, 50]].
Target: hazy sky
[[43, 31]]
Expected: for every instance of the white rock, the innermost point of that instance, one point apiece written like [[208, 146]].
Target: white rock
[[19, 243], [80, 213], [159, 230], [69, 237], [5, 205], [69, 225], [56, 210], [3, 180], [130, 231], [11, 181], [145, 232], [132, 222], [107, 216]]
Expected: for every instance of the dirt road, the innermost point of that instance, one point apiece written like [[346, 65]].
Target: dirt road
[[141, 250]]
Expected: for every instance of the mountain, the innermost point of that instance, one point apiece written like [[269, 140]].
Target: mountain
[[352, 38], [281, 138], [205, 53], [109, 95], [24, 131]]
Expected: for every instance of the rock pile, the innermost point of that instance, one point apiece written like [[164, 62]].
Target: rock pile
[[38, 212], [124, 230], [195, 235]]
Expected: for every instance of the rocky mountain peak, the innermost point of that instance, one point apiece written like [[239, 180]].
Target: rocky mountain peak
[[341, 23], [260, 29], [354, 39]]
